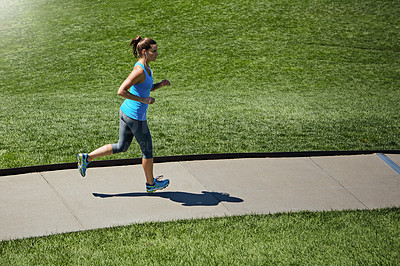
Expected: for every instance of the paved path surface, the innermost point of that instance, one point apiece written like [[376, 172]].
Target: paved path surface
[[44, 203]]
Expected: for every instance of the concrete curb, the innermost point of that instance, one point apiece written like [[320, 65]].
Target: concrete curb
[[182, 158]]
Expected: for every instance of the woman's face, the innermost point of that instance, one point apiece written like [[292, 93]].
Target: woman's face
[[152, 53]]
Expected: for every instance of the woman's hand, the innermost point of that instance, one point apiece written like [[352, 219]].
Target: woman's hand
[[165, 82], [149, 100]]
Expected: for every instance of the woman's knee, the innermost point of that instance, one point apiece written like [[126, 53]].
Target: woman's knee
[[147, 149], [120, 147]]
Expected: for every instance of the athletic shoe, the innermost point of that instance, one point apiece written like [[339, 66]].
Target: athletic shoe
[[158, 184], [82, 163]]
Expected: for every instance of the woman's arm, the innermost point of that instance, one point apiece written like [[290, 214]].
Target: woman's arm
[[136, 76], [163, 83]]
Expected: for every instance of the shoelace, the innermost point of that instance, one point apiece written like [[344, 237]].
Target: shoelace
[[158, 178]]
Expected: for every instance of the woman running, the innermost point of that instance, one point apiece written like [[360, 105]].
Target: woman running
[[133, 121]]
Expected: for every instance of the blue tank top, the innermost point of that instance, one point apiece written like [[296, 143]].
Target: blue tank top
[[134, 109]]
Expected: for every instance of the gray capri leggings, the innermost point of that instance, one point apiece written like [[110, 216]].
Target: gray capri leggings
[[128, 128]]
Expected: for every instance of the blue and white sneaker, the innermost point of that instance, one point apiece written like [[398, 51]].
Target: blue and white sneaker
[[82, 163], [158, 184]]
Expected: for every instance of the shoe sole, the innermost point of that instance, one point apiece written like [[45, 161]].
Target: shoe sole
[[79, 165]]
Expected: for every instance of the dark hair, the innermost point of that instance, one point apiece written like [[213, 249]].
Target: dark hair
[[139, 44]]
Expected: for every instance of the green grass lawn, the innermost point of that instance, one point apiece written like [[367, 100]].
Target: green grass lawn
[[306, 238], [247, 76]]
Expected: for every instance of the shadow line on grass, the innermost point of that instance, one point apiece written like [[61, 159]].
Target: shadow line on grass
[[205, 198]]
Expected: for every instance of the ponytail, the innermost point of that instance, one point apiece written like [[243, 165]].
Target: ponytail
[[134, 43]]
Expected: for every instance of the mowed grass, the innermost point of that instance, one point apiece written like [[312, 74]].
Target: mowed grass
[[247, 76], [324, 238]]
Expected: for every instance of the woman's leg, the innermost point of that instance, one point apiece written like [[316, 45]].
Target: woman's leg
[[143, 137], [124, 141], [148, 170], [142, 134], [102, 151]]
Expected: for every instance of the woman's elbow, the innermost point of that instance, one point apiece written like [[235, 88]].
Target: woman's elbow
[[121, 93]]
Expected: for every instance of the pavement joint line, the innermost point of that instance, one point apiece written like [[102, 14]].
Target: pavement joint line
[[323, 170], [62, 200], [389, 162], [205, 188]]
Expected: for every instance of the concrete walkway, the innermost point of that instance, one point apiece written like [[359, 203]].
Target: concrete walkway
[[44, 203]]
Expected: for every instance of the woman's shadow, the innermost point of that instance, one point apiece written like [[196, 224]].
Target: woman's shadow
[[186, 198]]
